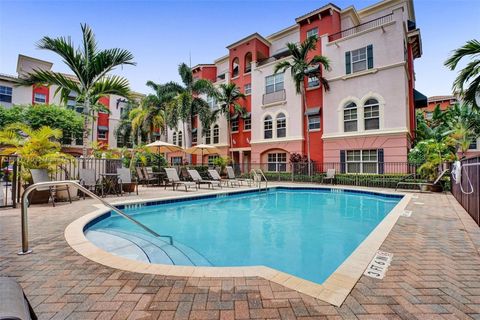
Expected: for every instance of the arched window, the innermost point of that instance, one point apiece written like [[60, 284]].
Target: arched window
[[216, 134], [267, 127], [371, 114], [235, 68], [208, 136], [248, 62], [174, 138], [180, 139], [350, 117], [281, 125]]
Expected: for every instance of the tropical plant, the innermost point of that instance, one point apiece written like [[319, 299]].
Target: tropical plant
[[228, 97], [90, 67], [436, 153], [187, 101], [467, 82], [301, 67], [222, 163], [124, 132], [37, 116], [36, 148], [148, 117]]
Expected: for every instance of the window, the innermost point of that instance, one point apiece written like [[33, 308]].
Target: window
[[248, 62], [268, 127], [247, 123], [429, 115], [350, 117], [313, 81], [194, 135], [274, 83], [234, 124], [281, 126], [473, 144], [216, 134], [174, 138], [39, 98], [208, 136], [72, 100], [277, 162], [235, 68], [313, 122], [359, 59], [312, 33], [247, 89], [102, 134], [371, 114], [6, 94], [212, 102], [362, 161], [176, 161], [180, 138], [211, 159]]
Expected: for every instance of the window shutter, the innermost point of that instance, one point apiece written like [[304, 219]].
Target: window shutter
[[381, 164], [370, 56], [342, 161], [348, 63]]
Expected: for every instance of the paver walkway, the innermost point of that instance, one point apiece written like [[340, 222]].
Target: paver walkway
[[435, 274]]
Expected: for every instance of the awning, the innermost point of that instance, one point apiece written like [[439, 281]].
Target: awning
[[421, 100], [248, 115], [234, 117], [313, 69], [194, 130], [312, 111], [102, 128]]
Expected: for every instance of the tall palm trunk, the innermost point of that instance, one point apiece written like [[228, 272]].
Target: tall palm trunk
[[188, 138], [304, 102], [230, 136], [85, 132]]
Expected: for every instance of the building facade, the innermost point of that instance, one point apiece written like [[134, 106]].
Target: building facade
[[103, 128], [366, 118]]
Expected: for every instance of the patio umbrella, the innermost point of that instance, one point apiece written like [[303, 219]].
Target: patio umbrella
[[163, 147], [202, 149]]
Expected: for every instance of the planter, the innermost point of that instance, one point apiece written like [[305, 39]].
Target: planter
[[435, 188], [62, 195], [129, 187], [39, 197]]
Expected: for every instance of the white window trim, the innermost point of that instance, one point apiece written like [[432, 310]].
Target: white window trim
[[277, 163], [360, 113], [308, 123], [361, 162], [274, 125], [35, 98], [238, 125], [275, 83], [365, 60], [247, 130]]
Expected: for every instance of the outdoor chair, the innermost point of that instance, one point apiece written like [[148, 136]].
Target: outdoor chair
[[88, 181], [330, 176], [125, 180], [198, 179], [41, 175], [421, 185], [173, 178], [13, 302], [215, 176], [233, 180], [150, 176], [140, 176]]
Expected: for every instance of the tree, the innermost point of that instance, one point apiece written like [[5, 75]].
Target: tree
[[301, 67], [187, 101], [147, 117], [124, 131], [90, 66], [228, 97], [467, 82]]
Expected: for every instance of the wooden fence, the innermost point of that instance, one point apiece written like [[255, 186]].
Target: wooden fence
[[467, 192]]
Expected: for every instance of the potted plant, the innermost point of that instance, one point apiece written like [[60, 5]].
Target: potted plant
[[436, 153], [221, 162]]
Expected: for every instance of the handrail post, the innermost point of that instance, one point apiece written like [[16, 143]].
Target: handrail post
[[24, 214]]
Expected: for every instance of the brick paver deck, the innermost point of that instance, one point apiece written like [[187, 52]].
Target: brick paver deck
[[435, 274]]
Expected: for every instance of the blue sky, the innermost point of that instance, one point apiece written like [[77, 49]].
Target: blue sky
[[162, 34]]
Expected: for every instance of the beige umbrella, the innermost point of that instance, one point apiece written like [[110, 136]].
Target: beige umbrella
[[202, 149], [163, 147]]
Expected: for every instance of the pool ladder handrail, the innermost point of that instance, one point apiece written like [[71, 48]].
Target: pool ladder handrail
[[24, 213], [258, 175]]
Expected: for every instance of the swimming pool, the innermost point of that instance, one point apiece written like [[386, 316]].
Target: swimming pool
[[306, 232]]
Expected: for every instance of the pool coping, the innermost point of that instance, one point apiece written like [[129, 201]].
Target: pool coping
[[333, 290]]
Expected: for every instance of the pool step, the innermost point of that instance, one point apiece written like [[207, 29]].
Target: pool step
[[159, 250]]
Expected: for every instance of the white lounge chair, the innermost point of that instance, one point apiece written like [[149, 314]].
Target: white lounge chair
[[198, 179], [233, 179], [329, 176], [41, 175], [173, 178], [422, 184]]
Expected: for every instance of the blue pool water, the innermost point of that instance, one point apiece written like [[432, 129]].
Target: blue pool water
[[306, 232]]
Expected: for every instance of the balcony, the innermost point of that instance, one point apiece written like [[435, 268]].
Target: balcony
[[273, 97], [361, 27]]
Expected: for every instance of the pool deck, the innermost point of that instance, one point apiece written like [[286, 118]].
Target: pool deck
[[434, 274]]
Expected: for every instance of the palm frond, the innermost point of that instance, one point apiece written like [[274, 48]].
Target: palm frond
[[471, 48], [185, 74], [111, 85]]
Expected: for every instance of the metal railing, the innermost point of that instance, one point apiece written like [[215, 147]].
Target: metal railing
[[361, 27], [9, 180], [467, 192], [50, 184], [258, 175], [273, 97]]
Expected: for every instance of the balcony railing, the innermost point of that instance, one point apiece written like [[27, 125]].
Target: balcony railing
[[361, 27], [273, 97]]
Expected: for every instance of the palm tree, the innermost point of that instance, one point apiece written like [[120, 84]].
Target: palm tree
[[470, 75], [124, 129], [463, 125], [148, 117], [228, 97], [90, 66], [187, 102], [301, 67]]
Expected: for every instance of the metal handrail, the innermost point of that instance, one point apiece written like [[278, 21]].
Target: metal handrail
[[256, 173], [358, 28], [26, 250], [265, 178]]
